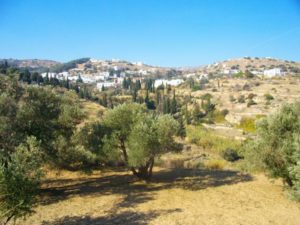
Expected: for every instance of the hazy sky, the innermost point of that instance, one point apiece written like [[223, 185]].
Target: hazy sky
[[159, 32]]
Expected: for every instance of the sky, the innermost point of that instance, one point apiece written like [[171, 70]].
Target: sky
[[158, 32]]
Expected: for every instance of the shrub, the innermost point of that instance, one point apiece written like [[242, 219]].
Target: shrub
[[269, 97], [241, 99], [251, 96], [224, 112], [230, 155], [246, 87], [247, 124], [276, 148], [251, 102]]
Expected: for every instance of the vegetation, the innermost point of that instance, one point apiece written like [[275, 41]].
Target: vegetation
[[209, 140], [277, 147], [69, 65], [247, 124], [230, 155], [138, 136]]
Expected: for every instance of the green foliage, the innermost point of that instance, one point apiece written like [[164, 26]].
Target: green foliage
[[277, 147], [268, 97], [239, 75], [69, 65], [209, 140], [230, 155], [150, 137], [38, 112], [251, 102], [139, 136], [72, 155], [241, 99], [219, 116], [19, 180], [247, 124]]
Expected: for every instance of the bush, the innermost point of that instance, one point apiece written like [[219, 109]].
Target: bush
[[251, 96], [241, 99], [247, 124], [230, 155], [269, 97], [276, 148], [251, 102], [231, 98]]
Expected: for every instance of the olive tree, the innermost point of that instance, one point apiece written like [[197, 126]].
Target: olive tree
[[19, 181], [277, 147], [138, 136]]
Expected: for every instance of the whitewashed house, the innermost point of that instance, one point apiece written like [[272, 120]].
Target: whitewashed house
[[273, 72], [174, 82], [105, 84]]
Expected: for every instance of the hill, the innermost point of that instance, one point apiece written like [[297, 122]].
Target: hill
[[252, 64], [32, 64]]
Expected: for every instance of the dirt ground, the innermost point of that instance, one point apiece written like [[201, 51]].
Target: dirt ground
[[175, 196]]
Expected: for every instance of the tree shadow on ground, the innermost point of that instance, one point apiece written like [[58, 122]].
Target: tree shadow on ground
[[127, 217], [135, 191]]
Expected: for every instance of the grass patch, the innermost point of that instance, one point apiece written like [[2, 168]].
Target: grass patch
[[209, 140], [215, 164], [248, 124]]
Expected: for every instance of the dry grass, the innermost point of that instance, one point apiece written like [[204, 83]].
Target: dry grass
[[175, 196], [92, 112]]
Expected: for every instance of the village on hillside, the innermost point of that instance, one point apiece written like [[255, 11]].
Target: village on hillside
[[111, 73]]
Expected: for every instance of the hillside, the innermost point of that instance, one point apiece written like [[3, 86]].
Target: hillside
[[252, 64], [93, 66], [31, 63]]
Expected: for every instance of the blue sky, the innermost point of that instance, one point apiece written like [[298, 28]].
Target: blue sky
[[159, 32]]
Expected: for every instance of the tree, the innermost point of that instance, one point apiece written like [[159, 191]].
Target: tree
[[79, 79], [196, 113], [166, 105], [34, 77], [46, 80], [138, 136], [19, 180], [181, 129], [277, 147], [138, 85], [173, 106], [134, 95], [25, 76], [104, 100]]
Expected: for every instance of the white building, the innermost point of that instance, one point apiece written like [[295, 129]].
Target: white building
[[105, 84], [230, 71], [273, 72], [174, 82], [49, 75], [87, 79]]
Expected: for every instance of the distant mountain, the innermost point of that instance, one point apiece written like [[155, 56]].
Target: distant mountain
[[30, 63]]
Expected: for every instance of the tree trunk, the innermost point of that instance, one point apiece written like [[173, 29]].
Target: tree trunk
[[8, 219], [145, 172], [288, 181]]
